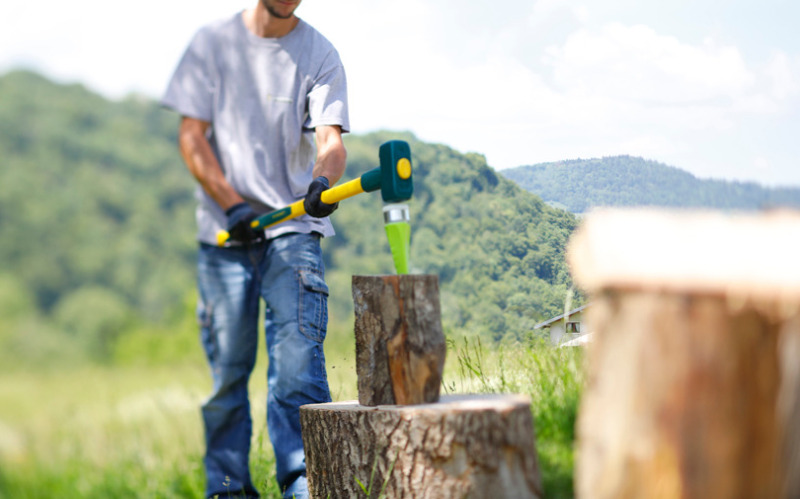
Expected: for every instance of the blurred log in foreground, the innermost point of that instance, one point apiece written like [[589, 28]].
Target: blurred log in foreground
[[693, 387]]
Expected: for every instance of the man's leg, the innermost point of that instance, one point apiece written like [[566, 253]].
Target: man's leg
[[294, 289], [228, 314]]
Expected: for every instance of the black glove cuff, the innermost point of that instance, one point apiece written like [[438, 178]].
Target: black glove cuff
[[237, 207]]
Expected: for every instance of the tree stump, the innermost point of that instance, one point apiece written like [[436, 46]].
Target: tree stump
[[694, 374], [464, 446], [400, 346]]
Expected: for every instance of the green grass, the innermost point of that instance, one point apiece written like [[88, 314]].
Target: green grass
[[134, 430], [109, 432], [101, 432], [552, 377]]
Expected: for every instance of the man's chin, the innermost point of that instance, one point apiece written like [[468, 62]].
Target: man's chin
[[280, 13]]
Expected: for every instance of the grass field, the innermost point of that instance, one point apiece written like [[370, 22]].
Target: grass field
[[134, 430]]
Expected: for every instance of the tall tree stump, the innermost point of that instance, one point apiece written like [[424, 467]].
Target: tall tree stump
[[694, 374], [478, 446], [400, 346]]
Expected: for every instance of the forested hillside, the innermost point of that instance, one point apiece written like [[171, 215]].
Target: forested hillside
[[95, 218], [579, 185], [97, 229]]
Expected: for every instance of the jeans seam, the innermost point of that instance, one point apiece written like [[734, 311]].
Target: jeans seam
[[300, 302], [206, 321]]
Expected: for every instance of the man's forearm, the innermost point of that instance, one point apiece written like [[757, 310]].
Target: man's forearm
[[331, 155], [203, 165]]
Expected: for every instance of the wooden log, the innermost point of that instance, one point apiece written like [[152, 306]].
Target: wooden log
[[464, 446], [400, 346], [789, 402], [693, 386]]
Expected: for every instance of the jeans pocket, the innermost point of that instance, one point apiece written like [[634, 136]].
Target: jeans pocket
[[313, 316]]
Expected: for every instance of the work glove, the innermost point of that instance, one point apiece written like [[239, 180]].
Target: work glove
[[313, 204], [239, 218]]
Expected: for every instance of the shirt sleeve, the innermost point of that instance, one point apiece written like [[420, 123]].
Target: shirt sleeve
[[190, 91], [327, 99]]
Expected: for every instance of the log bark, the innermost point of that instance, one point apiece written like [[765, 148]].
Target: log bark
[[464, 446], [693, 381], [400, 346]]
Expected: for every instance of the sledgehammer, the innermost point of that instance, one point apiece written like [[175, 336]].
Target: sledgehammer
[[392, 177]]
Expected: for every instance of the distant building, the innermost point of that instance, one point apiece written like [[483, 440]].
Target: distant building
[[568, 329]]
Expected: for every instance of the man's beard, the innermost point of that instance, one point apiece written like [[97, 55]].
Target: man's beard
[[275, 13]]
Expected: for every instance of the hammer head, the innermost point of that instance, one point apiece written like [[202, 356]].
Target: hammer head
[[396, 181]]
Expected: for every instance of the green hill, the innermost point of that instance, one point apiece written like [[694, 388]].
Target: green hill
[[579, 185], [97, 229]]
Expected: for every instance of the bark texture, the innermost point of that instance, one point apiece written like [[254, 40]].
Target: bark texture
[[400, 346], [474, 446]]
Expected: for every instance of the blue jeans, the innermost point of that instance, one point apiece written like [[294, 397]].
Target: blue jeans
[[288, 274]]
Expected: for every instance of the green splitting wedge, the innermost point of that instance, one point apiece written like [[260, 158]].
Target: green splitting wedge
[[392, 177]]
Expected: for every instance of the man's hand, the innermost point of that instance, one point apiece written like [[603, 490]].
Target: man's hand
[[313, 204], [239, 217]]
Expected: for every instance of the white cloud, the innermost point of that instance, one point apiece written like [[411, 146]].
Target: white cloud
[[761, 164], [543, 12], [635, 62], [613, 90], [630, 90], [783, 75], [114, 49]]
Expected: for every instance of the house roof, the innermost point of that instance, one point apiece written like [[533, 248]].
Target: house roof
[[580, 341], [549, 322]]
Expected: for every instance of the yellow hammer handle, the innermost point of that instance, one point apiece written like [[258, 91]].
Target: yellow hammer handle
[[340, 192], [294, 210]]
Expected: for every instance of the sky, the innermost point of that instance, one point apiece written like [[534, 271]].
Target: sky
[[708, 86]]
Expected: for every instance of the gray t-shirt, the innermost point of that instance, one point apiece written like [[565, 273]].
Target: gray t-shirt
[[263, 98]]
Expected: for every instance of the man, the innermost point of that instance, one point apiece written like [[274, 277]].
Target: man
[[255, 93]]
